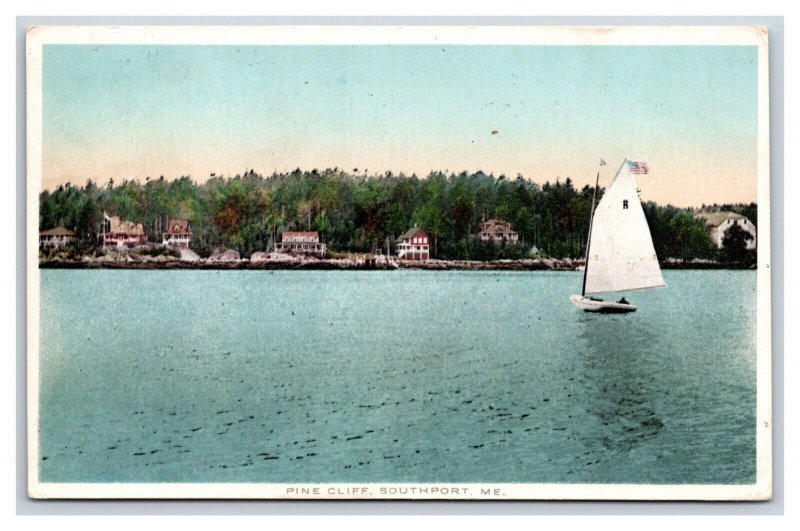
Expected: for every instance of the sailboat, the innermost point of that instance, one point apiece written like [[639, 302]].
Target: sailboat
[[619, 253]]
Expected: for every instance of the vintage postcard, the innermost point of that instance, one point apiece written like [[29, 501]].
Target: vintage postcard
[[453, 263]]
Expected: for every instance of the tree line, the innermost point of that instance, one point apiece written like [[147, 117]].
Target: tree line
[[357, 212]]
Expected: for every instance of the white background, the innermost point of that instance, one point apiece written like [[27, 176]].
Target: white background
[[12, 208]]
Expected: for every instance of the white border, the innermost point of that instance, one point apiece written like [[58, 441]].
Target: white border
[[371, 491], [307, 35], [366, 35]]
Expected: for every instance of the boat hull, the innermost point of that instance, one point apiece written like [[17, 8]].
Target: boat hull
[[600, 306]]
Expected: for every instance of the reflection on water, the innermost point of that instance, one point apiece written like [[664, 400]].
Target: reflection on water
[[617, 385], [405, 376]]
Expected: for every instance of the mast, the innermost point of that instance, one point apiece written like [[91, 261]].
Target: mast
[[589, 237]]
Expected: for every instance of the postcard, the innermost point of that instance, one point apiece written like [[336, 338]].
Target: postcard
[[418, 262]]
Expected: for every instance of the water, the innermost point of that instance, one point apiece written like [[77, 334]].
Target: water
[[412, 376]]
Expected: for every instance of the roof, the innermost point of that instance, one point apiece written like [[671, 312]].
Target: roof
[[57, 231], [495, 224], [715, 219], [178, 226], [299, 234], [410, 233]]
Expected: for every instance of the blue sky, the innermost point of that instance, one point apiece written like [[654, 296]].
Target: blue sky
[[138, 111]]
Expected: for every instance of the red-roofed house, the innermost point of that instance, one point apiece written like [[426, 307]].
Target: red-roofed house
[[178, 234], [498, 231], [119, 232]]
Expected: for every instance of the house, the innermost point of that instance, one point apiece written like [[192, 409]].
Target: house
[[719, 222], [301, 242], [121, 233], [56, 237], [178, 234], [497, 231], [413, 244]]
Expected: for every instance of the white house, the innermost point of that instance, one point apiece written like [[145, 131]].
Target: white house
[[56, 237], [302, 242], [719, 222]]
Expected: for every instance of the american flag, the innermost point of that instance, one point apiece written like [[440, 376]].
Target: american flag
[[638, 168]]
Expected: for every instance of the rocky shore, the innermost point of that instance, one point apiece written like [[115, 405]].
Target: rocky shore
[[275, 261]]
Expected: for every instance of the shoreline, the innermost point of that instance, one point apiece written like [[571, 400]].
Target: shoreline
[[342, 265]]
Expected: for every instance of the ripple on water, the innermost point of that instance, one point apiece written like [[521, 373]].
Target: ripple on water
[[480, 391]]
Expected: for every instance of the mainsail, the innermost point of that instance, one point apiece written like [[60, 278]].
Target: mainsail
[[621, 254]]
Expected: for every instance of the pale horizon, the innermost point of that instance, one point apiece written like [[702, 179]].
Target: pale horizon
[[131, 112]]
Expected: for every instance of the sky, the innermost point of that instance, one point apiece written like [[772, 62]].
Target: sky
[[138, 111]]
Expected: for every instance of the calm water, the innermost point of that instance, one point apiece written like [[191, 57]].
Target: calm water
[[411, 376]]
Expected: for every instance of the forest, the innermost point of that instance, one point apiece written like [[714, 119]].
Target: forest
[[357, 212]]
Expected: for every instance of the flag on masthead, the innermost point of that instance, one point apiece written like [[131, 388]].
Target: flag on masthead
[[638, 168]]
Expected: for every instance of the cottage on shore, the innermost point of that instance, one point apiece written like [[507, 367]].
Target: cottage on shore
[[121, 233], [497, 231], [56, 237], [719, 222], [178, 234], [413, 245], [301, 242]]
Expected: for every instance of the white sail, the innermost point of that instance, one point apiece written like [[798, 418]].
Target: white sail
[[621, 253]]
